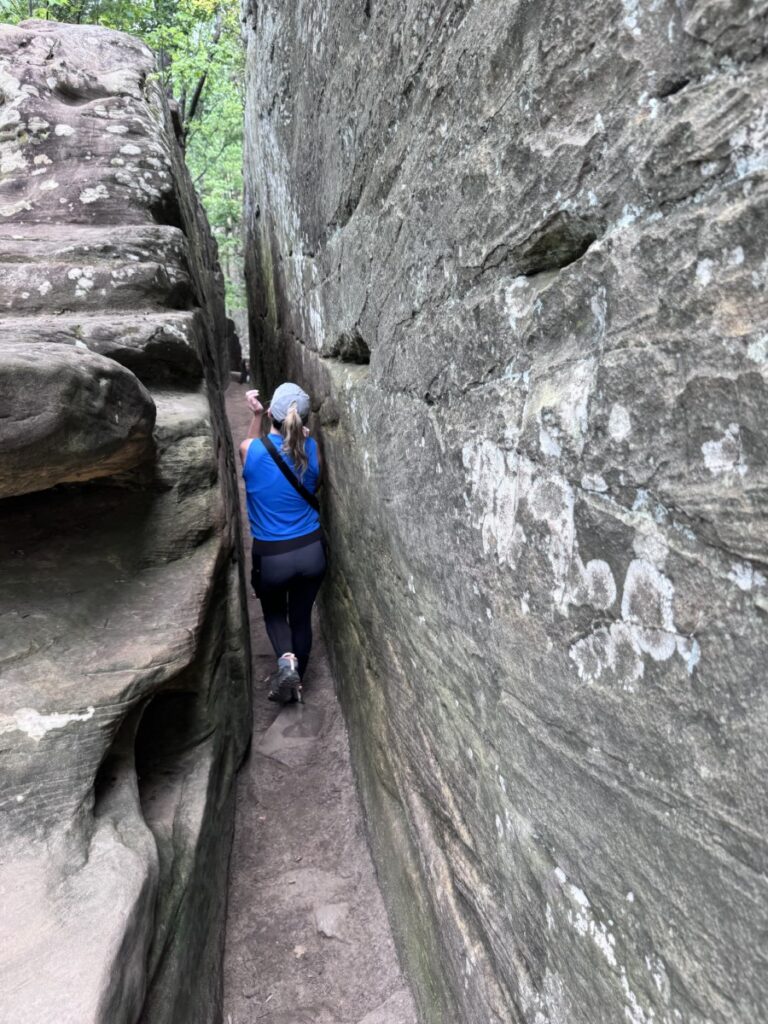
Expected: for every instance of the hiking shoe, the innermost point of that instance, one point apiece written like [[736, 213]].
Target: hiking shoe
[[285, 684], [273, 681]]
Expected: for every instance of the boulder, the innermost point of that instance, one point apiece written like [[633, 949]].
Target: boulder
[[124, 706], [68, 415], [516, 253]]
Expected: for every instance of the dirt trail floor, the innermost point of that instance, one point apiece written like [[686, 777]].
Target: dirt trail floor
[[308, 940]]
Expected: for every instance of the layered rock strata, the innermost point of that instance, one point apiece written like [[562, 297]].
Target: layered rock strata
[[517, 253], [124, 696]]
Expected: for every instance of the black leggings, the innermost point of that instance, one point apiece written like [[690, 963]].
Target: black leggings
[[288, 586]]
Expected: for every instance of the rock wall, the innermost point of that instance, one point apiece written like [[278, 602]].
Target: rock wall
[[517, 252], [124, 706]]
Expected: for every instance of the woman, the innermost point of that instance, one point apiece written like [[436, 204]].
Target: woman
[[281, 474]]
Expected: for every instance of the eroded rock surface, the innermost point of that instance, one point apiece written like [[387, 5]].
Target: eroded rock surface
[[124, 695], [517, 253]]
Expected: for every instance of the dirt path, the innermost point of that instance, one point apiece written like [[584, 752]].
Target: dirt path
[[307, 937]]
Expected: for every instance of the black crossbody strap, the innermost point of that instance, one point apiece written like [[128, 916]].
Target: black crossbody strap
[[290, 476]]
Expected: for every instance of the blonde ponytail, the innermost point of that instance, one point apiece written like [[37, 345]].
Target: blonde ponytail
[[292, 430]]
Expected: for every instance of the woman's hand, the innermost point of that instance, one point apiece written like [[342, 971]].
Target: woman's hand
[[306, 431], [252, 398]]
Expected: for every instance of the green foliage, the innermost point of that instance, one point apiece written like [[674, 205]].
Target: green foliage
[[201, 61]]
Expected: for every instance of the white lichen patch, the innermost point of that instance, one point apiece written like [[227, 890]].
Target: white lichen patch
[[646, 628], [41, 160], [724, 455], [631, 16], [704, 270], [560, 402], [494, 481], [118, 129], [593, 482], [93, 195], [518, 300], [504, 487], [757, 350], [37, 124], [130, 150], [633, 1011], [11, 161], [596, 585], [746, 576], [644, 502], [583, 919], [547, 1004], [83, 278], [658, 972], [64, 130], [619, 423], [612, 650], [629, 215], [35, 725], [646, 605], [49, 185], [548, 441], [690, 651], [550, 499], [749, 145], [649, 543]]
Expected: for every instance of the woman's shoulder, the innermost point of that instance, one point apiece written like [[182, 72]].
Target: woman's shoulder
[[250, 446]]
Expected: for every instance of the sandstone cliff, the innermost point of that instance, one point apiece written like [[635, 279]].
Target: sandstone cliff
[[517, 252], [124, 697]]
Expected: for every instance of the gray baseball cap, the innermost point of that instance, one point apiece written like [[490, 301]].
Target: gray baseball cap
[[283, 399]]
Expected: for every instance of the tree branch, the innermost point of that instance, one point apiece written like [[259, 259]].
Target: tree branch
[[194, 103], [210, 162]]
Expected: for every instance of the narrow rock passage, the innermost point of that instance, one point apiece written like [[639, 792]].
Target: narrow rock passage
[[308, 940]]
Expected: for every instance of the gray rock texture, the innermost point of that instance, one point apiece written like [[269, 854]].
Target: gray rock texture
[[517, 252], [124, 703]]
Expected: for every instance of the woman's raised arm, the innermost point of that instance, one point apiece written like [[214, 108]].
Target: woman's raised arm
[[252, 398]]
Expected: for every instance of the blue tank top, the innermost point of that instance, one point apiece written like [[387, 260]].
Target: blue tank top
[[276, 510]]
